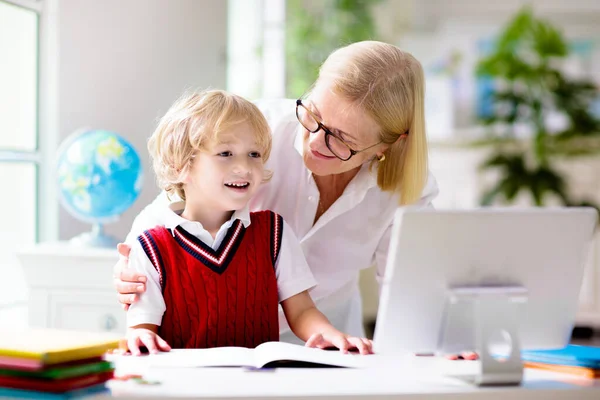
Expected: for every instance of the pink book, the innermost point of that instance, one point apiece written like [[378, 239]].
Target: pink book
[[28, 364]]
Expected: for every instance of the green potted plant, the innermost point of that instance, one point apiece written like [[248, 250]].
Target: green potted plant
[[314, 32], [529, 87]]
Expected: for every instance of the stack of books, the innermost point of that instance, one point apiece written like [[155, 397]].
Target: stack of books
[[577, 360], [54, 363]]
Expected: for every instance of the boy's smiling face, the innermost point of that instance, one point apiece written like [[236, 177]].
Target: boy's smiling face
[[225, 175]]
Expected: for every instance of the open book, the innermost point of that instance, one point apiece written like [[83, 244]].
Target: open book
[[266, 355]]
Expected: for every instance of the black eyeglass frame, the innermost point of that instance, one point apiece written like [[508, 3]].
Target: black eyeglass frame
[[328, 132]]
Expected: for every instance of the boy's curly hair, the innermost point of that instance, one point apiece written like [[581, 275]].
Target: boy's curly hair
[[192, 121]]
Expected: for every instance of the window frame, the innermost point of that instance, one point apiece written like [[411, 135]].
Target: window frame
[[35, 156]]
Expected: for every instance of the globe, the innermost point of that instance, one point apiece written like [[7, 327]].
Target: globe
[[99, 177]]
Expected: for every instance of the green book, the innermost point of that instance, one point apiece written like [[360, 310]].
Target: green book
[[56, 372]]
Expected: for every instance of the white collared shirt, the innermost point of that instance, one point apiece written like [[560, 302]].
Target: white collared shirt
[[353, 234], [292, 271]]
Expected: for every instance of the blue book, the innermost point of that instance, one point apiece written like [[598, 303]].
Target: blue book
[[74, 394], [572, 355]]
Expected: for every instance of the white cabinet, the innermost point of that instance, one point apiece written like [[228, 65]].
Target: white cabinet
[[72, 288], [95, 311]]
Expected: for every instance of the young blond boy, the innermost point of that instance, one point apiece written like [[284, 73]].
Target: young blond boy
[[217, 272]]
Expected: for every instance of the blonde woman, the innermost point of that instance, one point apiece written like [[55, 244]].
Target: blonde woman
[[344, 158]]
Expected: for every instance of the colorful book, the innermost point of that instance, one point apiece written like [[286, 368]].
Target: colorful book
[[24, 364], [565, 369], [62, 371], [571, 355], [31, 394], [54, 386], [50, 346]]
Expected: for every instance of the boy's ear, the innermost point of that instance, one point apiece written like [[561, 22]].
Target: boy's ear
[[184, 175]]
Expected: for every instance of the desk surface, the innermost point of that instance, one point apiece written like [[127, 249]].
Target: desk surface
[[417, 378]]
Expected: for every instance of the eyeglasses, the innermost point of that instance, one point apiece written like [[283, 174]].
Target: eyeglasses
[[335, 144]]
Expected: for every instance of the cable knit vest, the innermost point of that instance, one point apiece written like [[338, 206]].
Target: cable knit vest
[[226, 297]]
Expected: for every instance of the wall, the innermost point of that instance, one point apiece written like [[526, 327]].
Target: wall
[[430, 29], [115, 65], [122, 63], [396, 17], [440, 28]]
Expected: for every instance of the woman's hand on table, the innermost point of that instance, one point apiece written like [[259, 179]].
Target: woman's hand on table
[[340, 340]]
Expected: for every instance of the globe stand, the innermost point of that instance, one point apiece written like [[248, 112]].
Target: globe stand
[[95, 238]]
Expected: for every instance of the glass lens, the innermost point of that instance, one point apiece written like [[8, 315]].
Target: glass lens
[[307, 120], [337, 147]]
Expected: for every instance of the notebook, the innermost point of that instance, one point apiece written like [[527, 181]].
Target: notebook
[[55, 385], [571, 355], [25, 364], [565, 369], [99, 389], [34, 347], [62, 371]]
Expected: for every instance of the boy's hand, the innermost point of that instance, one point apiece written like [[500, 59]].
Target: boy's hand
[[145, 337], [341, 341], [128, 282]]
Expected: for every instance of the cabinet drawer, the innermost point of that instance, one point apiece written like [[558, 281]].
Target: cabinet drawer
[[87, 312]]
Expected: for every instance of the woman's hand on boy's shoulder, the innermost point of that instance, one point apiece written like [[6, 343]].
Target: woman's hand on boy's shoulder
[[128, 282], [140, 337], [341, 341]]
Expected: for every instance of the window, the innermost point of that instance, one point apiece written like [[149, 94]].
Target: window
[[256, 48], [19, 150]]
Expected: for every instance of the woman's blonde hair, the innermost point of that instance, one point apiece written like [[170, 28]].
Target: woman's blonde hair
[[194, 120], [389, 85]]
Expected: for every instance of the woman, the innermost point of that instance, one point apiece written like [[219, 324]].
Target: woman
[[352, 151]]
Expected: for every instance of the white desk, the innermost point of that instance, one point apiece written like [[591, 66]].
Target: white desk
[[414, 379]]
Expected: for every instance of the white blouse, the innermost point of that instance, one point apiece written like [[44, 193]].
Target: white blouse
[[353, 234]]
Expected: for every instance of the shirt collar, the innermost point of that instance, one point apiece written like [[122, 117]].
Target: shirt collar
[[173, 217], [366, 177]]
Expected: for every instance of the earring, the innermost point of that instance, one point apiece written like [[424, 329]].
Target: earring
[[381, 158]]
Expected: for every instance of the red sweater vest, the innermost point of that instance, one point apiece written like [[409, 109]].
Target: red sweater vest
[[226, 297]]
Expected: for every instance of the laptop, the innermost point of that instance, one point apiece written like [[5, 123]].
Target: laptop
[[534, 257]]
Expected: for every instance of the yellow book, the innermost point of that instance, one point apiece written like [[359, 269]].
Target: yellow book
[[53, 346]]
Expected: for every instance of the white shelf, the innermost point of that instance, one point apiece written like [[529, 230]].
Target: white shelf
[[71, 287]]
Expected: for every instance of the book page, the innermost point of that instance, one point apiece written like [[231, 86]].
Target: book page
[[273, 352], [215, 357]]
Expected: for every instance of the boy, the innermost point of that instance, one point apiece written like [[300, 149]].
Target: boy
[[216, 273]]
